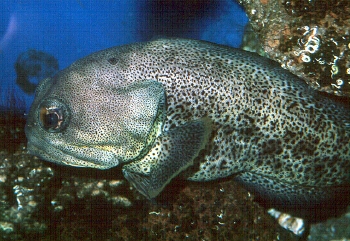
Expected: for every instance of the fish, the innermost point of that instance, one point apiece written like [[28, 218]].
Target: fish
[[34, 64], [198, 110]]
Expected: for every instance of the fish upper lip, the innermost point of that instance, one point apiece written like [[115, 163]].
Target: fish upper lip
[[33, 150], [40, 149]]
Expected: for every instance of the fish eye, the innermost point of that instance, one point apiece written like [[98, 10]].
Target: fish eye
[[53, 116]]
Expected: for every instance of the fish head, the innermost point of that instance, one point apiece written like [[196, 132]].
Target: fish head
[[89, 116]]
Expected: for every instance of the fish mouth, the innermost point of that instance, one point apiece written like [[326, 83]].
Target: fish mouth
[[71, 155]]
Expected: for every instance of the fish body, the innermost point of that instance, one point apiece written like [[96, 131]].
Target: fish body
[[204, 111]]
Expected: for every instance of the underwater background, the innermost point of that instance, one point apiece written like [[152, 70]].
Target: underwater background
[[43, 201], [69, 30]]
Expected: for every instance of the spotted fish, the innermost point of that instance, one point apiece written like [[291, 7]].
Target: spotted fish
[[192, 108]]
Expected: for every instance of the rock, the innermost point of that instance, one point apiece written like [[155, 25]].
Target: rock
[[309, 38]]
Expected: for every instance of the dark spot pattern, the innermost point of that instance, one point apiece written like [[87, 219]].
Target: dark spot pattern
[[267, 122]]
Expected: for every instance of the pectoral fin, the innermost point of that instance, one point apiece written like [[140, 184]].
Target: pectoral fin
[[172, 152]]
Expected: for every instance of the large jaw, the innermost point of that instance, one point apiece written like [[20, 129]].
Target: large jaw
[[49, 151]]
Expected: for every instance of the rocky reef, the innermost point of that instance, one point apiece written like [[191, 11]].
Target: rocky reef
[[309, 38], [48, 202]]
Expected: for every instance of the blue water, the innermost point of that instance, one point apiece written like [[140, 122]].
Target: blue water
[[69, 30]]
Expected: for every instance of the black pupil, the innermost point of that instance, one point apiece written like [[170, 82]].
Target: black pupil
[[51, 120]]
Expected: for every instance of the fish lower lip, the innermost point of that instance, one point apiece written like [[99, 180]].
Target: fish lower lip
[[48, 151]]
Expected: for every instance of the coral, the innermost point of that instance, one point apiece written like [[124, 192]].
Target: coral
[[309, 38], [22, 184]]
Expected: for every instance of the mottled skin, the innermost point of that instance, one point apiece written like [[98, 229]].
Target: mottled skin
[[277, 135]]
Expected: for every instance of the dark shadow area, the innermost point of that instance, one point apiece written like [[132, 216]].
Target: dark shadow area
[[315, 204], [343, 100], [168, 18], [63, 171], [12, 120]]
